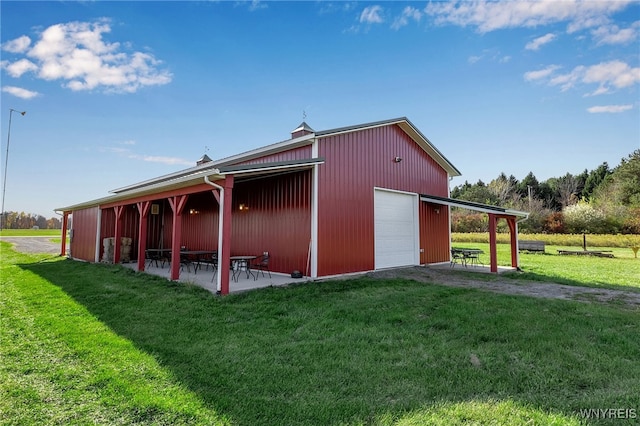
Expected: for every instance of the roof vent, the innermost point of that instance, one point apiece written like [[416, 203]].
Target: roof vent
[[302, 130], [204, 159]]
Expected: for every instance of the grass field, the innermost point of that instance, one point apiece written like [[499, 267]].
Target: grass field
[[30, 232], [97, 344], [621, 272]]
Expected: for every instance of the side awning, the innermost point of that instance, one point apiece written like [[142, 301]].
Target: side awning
[[469, 205]]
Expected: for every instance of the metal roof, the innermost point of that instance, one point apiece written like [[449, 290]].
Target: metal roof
[[470, 205], [179, 178], [403, 122]]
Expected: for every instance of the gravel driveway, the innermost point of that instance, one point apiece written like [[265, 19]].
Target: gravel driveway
[[546, 290], [446, 277], [34, 244]]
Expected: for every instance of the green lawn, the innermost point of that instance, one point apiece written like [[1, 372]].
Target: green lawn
[[621, 272], [30, 232], [96, 344]]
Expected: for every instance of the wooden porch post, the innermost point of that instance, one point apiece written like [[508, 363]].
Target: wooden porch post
[[63, 246], [118, 234], [177, 204], [225, 250], [143, 209], [513, 232], [492, 243]]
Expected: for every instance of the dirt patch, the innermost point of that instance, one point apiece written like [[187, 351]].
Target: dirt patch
[[546, 290]]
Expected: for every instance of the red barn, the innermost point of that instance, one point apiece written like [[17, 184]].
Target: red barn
[[330, 202]]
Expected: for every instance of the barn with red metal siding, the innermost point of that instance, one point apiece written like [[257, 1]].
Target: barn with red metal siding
[[331, 202]]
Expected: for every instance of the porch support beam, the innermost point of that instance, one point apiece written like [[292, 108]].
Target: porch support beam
[[177, 204], [143, 209], [224, 252], [63, 246], [118, 234], [493, 252], [513, 233]]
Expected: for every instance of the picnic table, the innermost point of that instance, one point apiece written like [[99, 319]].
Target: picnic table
[[465, 256]]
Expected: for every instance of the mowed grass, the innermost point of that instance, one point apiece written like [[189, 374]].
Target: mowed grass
[[621, 272], [97, 344], [30, 233]]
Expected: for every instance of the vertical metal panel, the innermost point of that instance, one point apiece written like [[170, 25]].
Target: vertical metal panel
[[355, 163], [130, 219], [434, 233], [200, 222], [83, 241], [278, 219]]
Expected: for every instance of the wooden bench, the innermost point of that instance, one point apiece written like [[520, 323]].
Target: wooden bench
[[531, 246], [597, 253]]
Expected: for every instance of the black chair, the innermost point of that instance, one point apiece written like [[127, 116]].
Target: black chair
[[213, 261], [262, 264], [457, 256], [185, 260], [153, 256], [472, 258]]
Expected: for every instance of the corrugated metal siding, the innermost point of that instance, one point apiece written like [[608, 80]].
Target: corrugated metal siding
[[278, 219], [130, 219], [356, 163], [300, 153], [199, 222], [83, 242], [434, 233]]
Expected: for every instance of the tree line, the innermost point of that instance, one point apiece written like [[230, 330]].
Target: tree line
[[603, 200], [22, 220]]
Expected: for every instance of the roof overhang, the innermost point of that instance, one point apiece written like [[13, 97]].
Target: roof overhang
[[197, 177], [469, 205]]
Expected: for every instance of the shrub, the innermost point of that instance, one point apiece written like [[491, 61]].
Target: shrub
[[469, 222], [631, 224], [554, 223], [582, 217]]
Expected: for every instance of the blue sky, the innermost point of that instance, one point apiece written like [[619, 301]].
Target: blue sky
[[120, 92]]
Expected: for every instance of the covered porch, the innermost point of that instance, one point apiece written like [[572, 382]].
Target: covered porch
[[494, 213], [245, 210]]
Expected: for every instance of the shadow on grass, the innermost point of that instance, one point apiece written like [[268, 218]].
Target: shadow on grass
[[363, 351]]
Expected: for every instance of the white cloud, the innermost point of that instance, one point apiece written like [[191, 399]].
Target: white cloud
[[540, 74], [18, 45], [540, 41], [490, 15], [257, 5], [409, 13], [474, 59], [609, 108], [371, 15], [163, 160], [77, 54], [609, 76], [20, 92], [17, 68], [614, 73], [612, 34], [127, 153]]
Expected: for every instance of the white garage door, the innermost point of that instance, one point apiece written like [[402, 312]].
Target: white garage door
[[396, 229]]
